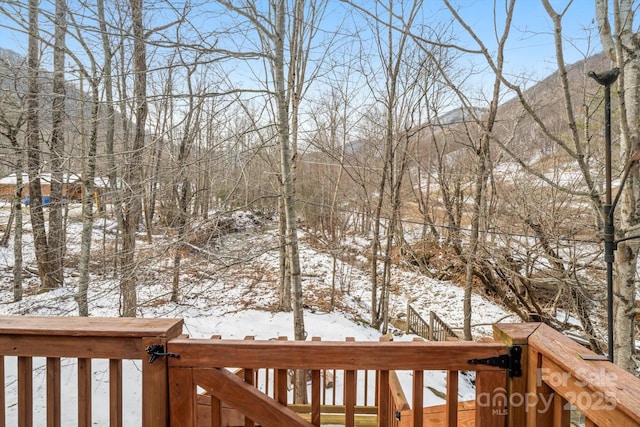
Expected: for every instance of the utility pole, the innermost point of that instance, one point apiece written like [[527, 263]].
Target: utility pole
[[606, 79]]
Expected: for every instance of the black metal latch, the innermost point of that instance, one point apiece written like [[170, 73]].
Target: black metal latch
[[510, 362], [157, 350]]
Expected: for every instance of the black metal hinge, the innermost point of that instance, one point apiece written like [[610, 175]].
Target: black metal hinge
[[157, 350], [510, 362]]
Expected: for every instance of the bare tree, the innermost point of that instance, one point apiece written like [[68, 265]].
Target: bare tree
[[89, 160], [56, 239], [183, 187], [12, 121], [34, 160], [483, 162], [133, 171]]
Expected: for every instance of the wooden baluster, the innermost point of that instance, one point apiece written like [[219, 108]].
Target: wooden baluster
[[115, 393], [452, 398], [384, 400], [366, 387], [417, 398], [334, 390], [266, 384], [323, 391], [183, 402], [84, 393], [561, 416], [350, 383], [53, 392], [216, 412], [249, 378], [315, 393], [25, 391], [3, 402]]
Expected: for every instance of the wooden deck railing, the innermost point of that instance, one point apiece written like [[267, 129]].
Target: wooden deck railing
[[416, 324], [559, 375], [198, 382], [47, 340], [439, 330], [434, 330]]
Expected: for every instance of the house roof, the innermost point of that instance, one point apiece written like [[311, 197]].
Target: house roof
[[101, 182], [46, 177]]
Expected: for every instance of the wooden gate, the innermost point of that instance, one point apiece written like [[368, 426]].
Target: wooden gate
[[258, 391]]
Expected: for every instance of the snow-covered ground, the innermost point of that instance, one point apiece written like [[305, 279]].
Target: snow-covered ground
[[229, 287]]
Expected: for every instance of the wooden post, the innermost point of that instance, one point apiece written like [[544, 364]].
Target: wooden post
[[491, 399], [542, 413], [155, 377], [517, 387]]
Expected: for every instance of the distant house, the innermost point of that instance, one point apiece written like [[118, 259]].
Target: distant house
[[71, 187]]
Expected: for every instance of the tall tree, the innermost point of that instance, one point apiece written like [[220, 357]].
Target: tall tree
[[133, 172], [89, 159], [11, 124], [483, 159], [56, 227], [12, 121], [285, 54], [34, 160], [392, 23], [286, 165]]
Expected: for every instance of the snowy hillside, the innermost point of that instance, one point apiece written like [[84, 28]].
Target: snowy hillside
[[229, 289], [235, 274]]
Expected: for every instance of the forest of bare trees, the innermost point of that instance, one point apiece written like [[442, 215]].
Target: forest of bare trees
[[396, 120]]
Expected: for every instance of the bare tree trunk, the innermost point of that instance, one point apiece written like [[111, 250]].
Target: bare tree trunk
[[56, 228], [34, 162], [109, 125], [191, 124], [87, 202], [6, 236], [10, 130], [482, 173], [284, 289], [17, 238], [133, 178], [286, 171]]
